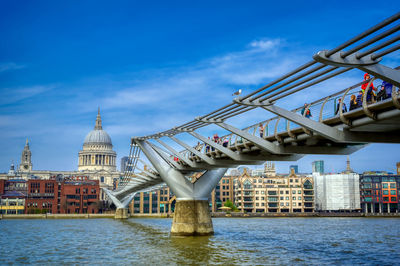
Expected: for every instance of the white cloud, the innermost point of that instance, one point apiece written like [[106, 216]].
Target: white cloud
[[265, 44], [10, 66]]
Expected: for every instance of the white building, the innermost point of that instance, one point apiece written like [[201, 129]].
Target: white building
[[336, 192]]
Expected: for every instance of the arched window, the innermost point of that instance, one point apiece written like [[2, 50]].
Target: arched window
[[247, 184], [102, 179], [308, 185]]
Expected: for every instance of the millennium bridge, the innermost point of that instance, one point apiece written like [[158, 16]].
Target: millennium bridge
[[288, 136]]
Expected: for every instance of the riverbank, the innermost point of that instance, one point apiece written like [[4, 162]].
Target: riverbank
[[214, 215]]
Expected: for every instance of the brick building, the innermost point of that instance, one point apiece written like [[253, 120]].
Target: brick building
[[222, 193], [75, 194]]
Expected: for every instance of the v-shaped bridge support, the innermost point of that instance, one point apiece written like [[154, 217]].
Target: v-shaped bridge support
[[192, 215]]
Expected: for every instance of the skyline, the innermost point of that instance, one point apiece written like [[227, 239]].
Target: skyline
[[53, 76]]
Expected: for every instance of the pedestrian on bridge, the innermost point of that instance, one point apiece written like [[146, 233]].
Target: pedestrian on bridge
[[353, 102], [261, 128], [344, 107], [308, 112], [359, 99], [370, 92]]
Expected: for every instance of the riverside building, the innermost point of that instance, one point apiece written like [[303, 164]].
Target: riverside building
[[380, 193], [74, 194], [160, 201], [273, 194], [337, 192], [13, 194]]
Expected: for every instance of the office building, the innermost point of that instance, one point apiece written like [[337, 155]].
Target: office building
[[124, 164], [318, 167]]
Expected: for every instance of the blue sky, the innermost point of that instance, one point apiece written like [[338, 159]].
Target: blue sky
[[153, 66]]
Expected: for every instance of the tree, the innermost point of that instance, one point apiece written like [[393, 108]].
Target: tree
[[230, 204]]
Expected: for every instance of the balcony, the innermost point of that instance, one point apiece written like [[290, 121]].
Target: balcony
[[309, 199]]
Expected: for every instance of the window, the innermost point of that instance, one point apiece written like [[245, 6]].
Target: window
[[287, 191], [386, 192], [385, 185], [294, 192], [262, 192], [281, 203], [393, 192], [257, 198], [299, 198], [296, 180], [257, 204], [294, 198], [291, 180], [281, 198], [392, 185], [287, 198], [263, 204], [102, 179], [256, 191], [299, 203], [385, 198], [294, 204], [393, 198], [262, 198], [281, 192], [287, 203], [299, 192]]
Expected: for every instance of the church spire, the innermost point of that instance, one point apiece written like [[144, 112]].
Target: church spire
[[27, 142], [348, 169], [98, 121]]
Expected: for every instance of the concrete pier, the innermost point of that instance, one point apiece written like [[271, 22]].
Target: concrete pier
[[121, 213], [192, 218]]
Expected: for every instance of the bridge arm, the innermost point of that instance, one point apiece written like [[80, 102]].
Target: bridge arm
[[320, 128], [178, 154], [217, 146], [165, 157], [204, 157], [261, 143]]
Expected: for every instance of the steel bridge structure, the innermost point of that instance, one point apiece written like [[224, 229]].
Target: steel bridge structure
[[288, 136]]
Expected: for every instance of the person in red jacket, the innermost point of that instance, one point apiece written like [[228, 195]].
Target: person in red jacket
[[370, 92]]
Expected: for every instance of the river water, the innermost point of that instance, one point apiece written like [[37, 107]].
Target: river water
[[237, 241]]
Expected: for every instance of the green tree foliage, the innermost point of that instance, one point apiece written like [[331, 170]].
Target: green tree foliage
[[230, 204]]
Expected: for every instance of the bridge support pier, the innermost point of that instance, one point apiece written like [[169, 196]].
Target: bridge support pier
[[121, 213], [192, 218]]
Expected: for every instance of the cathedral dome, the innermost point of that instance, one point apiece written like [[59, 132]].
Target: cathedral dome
[[97, 137], [97, 153]]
